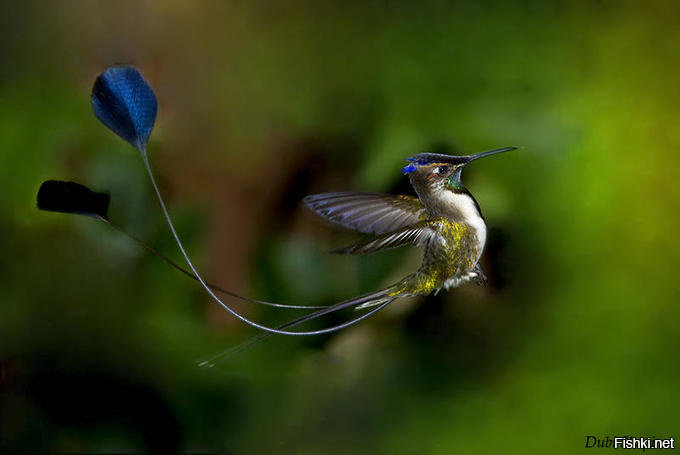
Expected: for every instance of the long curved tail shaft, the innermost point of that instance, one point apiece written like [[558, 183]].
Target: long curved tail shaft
[[379, 300], [350, 303]]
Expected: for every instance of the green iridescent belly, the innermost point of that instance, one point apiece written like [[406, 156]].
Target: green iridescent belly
[[450, 255]]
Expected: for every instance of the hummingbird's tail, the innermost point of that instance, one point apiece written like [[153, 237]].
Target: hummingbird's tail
[[402, 288], [376, 298], [368, 300]]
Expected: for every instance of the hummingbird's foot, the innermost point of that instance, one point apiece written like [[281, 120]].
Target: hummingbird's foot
[[479, 277]]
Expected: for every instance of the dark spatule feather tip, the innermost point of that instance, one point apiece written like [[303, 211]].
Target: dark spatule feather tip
[[71, 197]]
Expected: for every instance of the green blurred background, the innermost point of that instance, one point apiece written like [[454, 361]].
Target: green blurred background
[[261, 103]]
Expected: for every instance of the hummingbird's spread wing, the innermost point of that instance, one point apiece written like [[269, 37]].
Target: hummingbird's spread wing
[[371, 213], [417, 234]]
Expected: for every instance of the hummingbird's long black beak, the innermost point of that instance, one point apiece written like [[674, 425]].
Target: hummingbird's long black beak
[[428, 158], [490, 152]]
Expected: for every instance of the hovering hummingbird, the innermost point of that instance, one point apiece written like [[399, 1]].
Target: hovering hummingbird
[[444, 219]]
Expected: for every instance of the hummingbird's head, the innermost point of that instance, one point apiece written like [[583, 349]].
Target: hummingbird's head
[[439, 171]]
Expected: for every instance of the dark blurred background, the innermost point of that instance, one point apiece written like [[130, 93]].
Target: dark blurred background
[[261, 103]]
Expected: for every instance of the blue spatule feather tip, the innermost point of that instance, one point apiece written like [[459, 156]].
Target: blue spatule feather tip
[[124, 102]]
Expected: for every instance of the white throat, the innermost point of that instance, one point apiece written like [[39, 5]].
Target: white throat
[[462, 208]]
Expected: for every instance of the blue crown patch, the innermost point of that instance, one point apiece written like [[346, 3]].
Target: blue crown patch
[[408, 169]]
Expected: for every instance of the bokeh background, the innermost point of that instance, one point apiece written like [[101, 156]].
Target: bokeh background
[[262, 103]]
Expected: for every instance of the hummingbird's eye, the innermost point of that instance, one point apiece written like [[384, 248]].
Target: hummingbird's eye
[[441, 170]]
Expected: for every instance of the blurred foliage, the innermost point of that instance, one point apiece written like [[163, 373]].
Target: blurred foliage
[[262, 103]]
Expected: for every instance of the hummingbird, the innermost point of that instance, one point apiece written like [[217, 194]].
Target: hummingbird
[[445, 219]]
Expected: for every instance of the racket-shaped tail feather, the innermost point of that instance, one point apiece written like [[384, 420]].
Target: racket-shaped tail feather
[[124, 102]]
